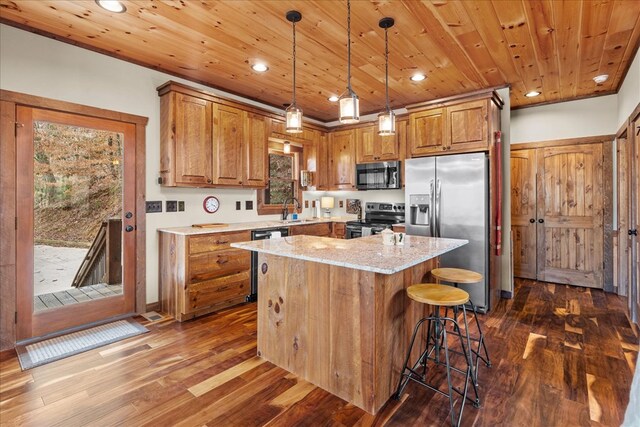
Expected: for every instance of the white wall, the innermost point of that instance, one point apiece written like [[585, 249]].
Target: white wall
[[629, 95], [573, 119], [44, 67]]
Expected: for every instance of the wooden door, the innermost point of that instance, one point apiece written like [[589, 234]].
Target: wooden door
[[634, 299], [192, 133], [365, 145], [228, 126], [256, 150], [467, 124], [570, 215], [523, 212], [427, 132], [342, 160], [63, 161]]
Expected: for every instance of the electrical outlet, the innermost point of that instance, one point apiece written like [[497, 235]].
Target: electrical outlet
[[306, 204], [171, 206], [341, 203], [181, 206], [153, 207], [313, 203], [248, 205], [238, 205]]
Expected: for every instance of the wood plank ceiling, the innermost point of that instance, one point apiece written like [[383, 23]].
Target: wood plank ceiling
[[555, 47]]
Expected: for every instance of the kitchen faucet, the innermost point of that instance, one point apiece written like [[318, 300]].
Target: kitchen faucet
[[285, 209]]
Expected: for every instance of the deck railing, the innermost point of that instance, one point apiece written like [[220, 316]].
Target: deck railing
[[102, 264]]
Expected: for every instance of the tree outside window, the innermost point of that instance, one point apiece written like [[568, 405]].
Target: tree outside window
[[281, 179]]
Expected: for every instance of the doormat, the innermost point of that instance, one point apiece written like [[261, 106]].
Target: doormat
[[52, 349]]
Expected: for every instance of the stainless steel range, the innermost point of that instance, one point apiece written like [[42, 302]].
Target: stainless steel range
[[378, 216]]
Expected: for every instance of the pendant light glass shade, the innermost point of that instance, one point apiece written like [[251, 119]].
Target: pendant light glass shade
[[386, 123], [349, 107], [294, 119], [286, 147], [386, 119], [349, 102], [293, 114]]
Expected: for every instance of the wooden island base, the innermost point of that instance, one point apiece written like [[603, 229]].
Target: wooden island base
[[342, 329]]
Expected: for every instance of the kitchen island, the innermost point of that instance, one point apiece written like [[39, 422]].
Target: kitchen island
[[335, 312]]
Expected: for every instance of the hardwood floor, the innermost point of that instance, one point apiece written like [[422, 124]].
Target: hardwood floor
[[561, 356]]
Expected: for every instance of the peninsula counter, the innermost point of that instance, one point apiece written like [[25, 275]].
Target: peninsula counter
[[335, 312]]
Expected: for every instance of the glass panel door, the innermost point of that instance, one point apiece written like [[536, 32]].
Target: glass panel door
[[76, 246]]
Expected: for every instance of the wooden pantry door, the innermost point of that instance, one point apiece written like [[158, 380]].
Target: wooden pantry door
[[570, 215], [523, 212]]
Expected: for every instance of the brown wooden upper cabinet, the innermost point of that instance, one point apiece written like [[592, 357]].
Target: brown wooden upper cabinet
[[371, 147], [207, 142], [342, 160], [453, 127]]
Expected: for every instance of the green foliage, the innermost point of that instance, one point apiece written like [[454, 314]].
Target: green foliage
[[280, 179]]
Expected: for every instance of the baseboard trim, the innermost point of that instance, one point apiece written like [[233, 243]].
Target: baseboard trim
[[154, 306], [506, 294]]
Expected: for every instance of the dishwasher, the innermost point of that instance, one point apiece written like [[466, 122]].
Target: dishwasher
[[263, 234]]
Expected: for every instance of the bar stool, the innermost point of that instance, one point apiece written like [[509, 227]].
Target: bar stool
[[440, 296], [458, 276]]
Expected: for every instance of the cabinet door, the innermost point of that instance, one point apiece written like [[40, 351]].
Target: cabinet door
[[467, 124], [255, 150], [365, 145], [342, 160], [192, 140], [427, 132], [227, 145], [388, 147], [322, 179], [570, 228], [523, 212], [321, 230]]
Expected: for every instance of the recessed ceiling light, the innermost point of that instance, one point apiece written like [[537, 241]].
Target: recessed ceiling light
[[532, 94], [112, 6], [333, 98], [259, 67], [601, 78], [418, 77]]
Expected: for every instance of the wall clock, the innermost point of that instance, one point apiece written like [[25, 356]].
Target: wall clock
[[211, 204]]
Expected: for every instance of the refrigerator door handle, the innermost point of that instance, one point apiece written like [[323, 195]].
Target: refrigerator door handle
[[438, 207], [431, 214]]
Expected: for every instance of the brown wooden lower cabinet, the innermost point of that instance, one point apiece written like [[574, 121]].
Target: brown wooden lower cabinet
[[339, 230], [557, 214], [202, 273], [322, 230]]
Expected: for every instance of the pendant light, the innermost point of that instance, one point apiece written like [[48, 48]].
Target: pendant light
[[386, 119], [349, 102], [293, 113]]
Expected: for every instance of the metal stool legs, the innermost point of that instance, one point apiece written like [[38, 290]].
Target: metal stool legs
[[437, 342]]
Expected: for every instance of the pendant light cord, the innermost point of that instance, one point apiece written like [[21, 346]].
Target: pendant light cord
[[386, 65], [294, 63], [349, 45]]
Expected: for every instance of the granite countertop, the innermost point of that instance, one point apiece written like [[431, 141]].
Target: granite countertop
[[364, 253], [255, 225]]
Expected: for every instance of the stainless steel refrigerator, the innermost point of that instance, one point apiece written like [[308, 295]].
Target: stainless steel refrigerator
[[448, 196]]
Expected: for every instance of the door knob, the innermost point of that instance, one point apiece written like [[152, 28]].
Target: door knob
[[531, 220], [128, 228], [541, 220]]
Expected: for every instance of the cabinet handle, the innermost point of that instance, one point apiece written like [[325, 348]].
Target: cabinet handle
[[222, 261], [221, 242], [541, 220], [209, 181], [239, 182], [531, 220]]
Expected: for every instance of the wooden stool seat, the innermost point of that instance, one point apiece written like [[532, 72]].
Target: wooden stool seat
[[439, 295], [456, 275]]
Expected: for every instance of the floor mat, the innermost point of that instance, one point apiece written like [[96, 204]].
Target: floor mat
[[50, 350]]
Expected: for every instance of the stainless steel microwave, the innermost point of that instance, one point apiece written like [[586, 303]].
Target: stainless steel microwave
[[378, 176]]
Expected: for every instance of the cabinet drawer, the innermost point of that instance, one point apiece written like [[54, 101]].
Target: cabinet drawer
[[210, 292], [213, 264], [323, 229], [216, 241]]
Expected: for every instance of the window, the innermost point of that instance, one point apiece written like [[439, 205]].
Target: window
[[282, 183]]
